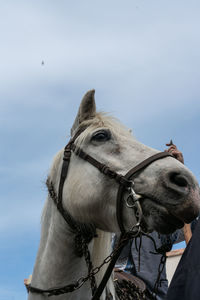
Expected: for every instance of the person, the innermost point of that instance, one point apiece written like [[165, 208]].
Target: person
[[185, 284], [145, 263]]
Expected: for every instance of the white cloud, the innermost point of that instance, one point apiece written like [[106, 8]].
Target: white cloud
[[142, 57], [125, 48]]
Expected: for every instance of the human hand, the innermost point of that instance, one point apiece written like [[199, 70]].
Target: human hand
[[175, 152]]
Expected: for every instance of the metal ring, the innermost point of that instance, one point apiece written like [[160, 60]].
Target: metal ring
[[130, 201]]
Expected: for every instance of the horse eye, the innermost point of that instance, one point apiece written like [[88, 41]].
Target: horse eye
[[101, 136]]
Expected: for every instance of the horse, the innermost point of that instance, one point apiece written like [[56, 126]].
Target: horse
[[81, 211]]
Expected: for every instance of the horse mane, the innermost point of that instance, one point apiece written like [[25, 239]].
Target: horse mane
[[101, 249]]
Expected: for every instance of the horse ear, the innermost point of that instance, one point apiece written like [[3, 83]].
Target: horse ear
[[87, 110]]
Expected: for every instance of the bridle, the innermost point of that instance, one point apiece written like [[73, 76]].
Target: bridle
[[125, 182], [86, 232]]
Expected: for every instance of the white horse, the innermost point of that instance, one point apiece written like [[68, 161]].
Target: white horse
[[169, 196]]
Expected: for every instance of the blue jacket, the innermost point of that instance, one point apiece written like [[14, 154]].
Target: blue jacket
[[149, 263]]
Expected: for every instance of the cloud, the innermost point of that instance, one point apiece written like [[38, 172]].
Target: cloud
[[143, 59], [122, 48]]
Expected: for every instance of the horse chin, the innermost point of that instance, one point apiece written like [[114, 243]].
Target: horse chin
[[157, 217]]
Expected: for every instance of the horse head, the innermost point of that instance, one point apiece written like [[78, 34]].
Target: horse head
[[94, 187], [169, 193]]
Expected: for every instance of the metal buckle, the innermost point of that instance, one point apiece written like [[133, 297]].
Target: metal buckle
[[132, 198], [132, 201]]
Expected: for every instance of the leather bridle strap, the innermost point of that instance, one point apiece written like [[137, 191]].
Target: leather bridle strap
[[64, 171], [101, 167], [63, 176], [128, 177], [88, 231], [147, 162]]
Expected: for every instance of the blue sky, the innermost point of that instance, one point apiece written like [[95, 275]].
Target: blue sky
[[143, 59]]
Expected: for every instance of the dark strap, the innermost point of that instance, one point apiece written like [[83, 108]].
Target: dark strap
[[64, 171], [147, 162], [128, 176], [101, 167], [87, 231], [63, 175]]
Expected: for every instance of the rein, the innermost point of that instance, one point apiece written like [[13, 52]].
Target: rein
[[85, 232]]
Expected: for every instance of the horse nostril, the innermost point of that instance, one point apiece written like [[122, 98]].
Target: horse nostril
[[178, 179]]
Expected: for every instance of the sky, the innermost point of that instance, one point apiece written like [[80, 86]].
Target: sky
[[143, 59]]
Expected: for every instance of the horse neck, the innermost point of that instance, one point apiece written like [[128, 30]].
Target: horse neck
[[57, 264]]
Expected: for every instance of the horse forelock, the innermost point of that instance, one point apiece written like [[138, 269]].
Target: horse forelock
[[100, 120]]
